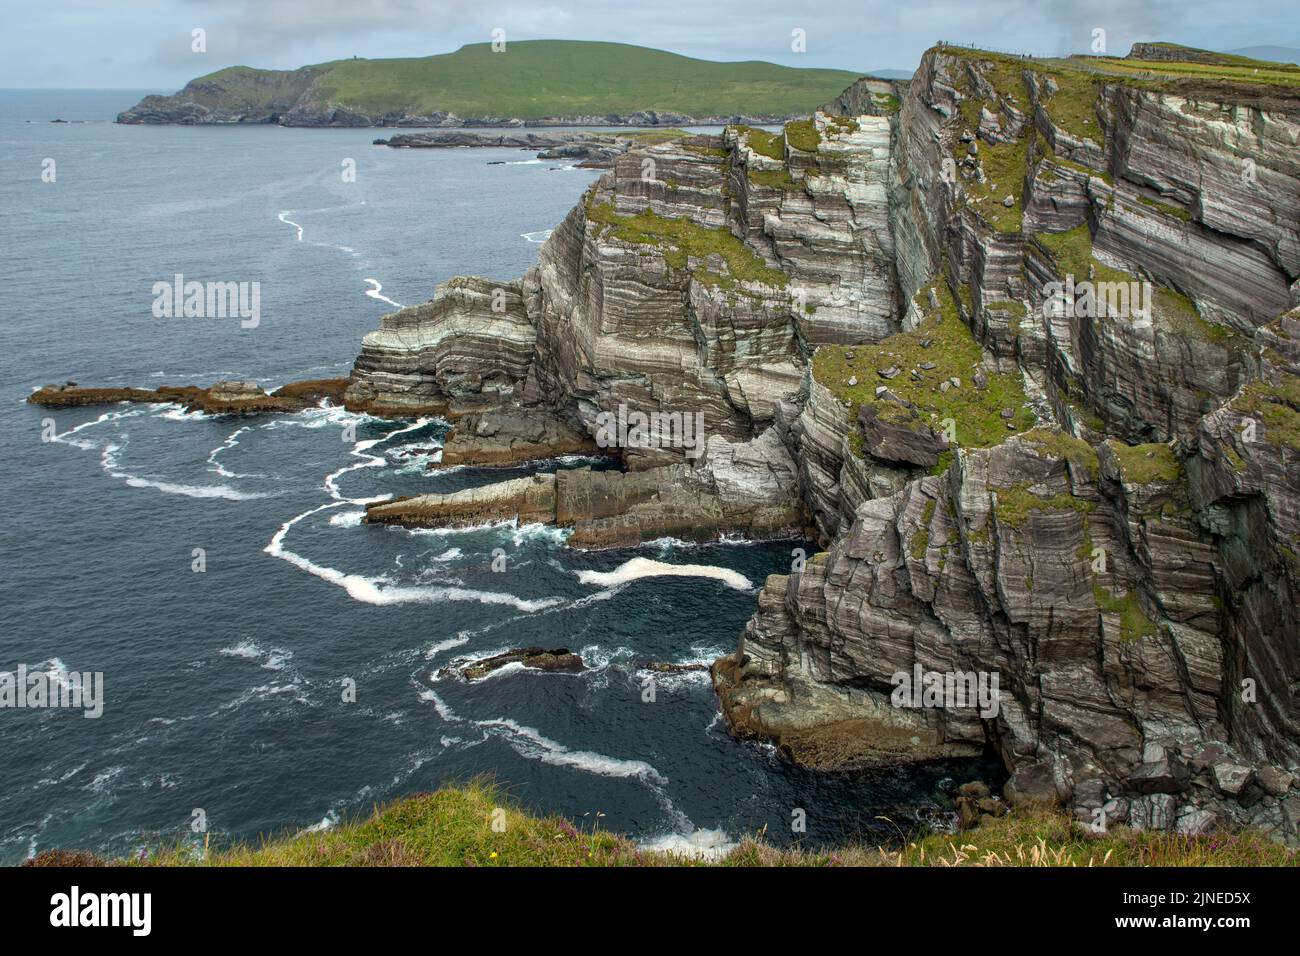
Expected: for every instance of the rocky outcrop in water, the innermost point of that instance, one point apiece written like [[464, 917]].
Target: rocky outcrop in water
[[747, 488], [555, 660], [585, 149], [231, 397]]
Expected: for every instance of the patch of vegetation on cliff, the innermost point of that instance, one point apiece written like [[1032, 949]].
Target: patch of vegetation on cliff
[[771, 145], [940, 339], [887, 103], [1058, 444], [1133, 621], [1005, 167], [842, 124], [1244, 71], [772, 178], [1169, 209], [1072, 252], [1276, 409], [1143, 464], [803, 134], [680, 240], [1073, 107], [1004, 73], [1011, 306], [453, 827], [1174, 310], [1014, 504], [921, 540]]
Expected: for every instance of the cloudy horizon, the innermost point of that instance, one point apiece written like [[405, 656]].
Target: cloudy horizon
[[146, 44]]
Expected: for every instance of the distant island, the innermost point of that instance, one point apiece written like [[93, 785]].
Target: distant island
[[530, 83]]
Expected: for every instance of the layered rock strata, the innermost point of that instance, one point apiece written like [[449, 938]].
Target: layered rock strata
[[1126, 568], [746, 488]]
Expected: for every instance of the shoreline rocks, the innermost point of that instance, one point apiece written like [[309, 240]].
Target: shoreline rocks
[[230, 397], [589, 150], [502, 437], [554, 660], [748, 489]]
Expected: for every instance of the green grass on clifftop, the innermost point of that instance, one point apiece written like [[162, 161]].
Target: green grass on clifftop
[[680, 240], [532, 79], [454, 827]]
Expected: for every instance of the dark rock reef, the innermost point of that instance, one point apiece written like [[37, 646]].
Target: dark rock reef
[[558, 660], [231, 397], [590, 150]]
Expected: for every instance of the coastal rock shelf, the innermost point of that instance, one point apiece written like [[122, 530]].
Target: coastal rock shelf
[[590, 150], [748, 489], [232, 397]]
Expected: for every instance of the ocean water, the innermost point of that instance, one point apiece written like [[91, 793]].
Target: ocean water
[[224, 689]]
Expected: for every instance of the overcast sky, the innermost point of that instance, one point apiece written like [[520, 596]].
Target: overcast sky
[[145, 44]]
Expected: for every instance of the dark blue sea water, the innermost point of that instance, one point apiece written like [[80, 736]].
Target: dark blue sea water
[[224, 689]]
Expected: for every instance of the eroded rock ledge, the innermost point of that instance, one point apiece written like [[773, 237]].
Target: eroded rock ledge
[[748, 488], [230, 397], [590, 150]]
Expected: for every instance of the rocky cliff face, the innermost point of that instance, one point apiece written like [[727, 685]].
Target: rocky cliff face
[[695, 279], [1021, 344]]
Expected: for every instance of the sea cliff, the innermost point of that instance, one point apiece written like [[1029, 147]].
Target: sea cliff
[[1099, 505]]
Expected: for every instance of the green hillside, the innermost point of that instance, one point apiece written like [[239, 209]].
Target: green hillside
[[533, 79]]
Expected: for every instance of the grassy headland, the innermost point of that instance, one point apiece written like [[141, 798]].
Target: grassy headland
[[530, 79], [455, 827]]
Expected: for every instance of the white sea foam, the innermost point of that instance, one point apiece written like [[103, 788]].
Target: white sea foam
[[228, 444], [540, 236], [109, 461], [529, 742], [319, 416], [283, 217], [102, 779], [347, 519], [177, 413], [440, 706], [540, 532], [637, 568], [328, 821], [248, 650], [446, 645], [698, 844], [374, 293], [378, 591], [360, 450], [66, 437]]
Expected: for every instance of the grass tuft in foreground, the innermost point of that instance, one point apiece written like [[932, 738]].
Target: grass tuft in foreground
[[454, 827]]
